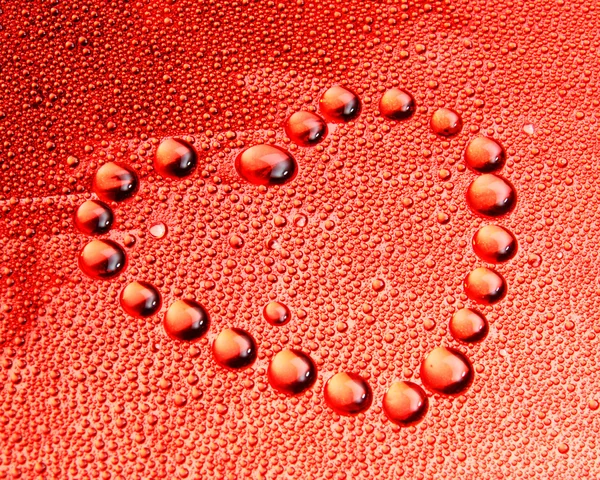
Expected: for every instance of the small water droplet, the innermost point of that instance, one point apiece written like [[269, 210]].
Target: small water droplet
[[397, 104], [446, 122], [175, 158], [491, 195], [484, 155], [186, 320], [158, 230], [277, 314], [468, 326], [348, 393], [306, 129], [529, 129], [102, 259], [94, 217], [140, 299], [266, 165], [485, 286], [339, 104], [115, 182], [234, 349], [446, 371], [405, 403], [291, 372]]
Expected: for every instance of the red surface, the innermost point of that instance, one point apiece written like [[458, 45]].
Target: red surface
[[368, 246]]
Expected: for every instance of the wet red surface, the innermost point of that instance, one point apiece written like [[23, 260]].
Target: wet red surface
[[362, 232]]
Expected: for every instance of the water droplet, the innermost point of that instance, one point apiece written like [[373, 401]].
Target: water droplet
[[397, 104], [186, 320], [485, 286], [494, 244], [348, 393], [484, 155], [446, 122], [235, 241], [140, 299], [234, 348], [102, 259], [468, 326], [277, 313], [534, 260], [158, 230], [405, 403], [446, 371], [491, 195], [339, 105], [115, 182], [306, 128], [175, 158], [291, 372], [529, 129], [94, 217], [378, 285], [266, 165]]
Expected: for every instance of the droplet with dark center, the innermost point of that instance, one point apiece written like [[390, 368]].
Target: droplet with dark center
[[468, 326], [234, 349], [140, 299], [494, 244], [186, 320], [175, 158], [484, 155], [485, 286], [114, 182], [306, 128], [397, 104], [446, 122], [266, 165], [291, 372], [94, 217], [339, 105], [405, 403], [491, 195], [277, 313], [446, 371], [102, 259], [348, 393]]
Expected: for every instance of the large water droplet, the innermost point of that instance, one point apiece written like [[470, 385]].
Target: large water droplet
[[291, 372], [266, 165], [491, 195], [306, 128], [468, 326], [175, 158], [405, 403], [115, 182], [446, 371], [446, 122], [140, 299], [277, 313], [339, 105], [484, 155], [102, 259], [234, 348], [485, 286], [397, 104], [348, 393], [494, 244], [186, 320], [94, 217]]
